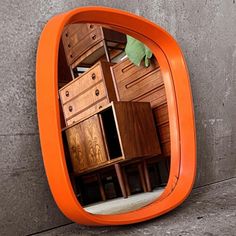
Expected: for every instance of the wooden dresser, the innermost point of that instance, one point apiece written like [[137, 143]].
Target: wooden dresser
[[85, 44], [88, 93]]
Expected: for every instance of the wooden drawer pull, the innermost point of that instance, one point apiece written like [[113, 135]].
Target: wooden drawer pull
[[70, 108], [93, 76], [94, 36], [67, 93], [96, 92], [100, 107], [69, 45], [91, 26]]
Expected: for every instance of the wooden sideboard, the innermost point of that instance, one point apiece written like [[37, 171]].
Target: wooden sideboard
[[119, 132]]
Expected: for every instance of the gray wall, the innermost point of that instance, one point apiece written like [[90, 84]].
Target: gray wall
[[207, 34]]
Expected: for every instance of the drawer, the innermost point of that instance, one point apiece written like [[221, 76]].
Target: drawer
[[156, 97], [161, 114], [83, 45], [76, 32], [85, 100], [86, 145], [132, 81], [81, 84], [91, 110], [71, 29], [126, 69]]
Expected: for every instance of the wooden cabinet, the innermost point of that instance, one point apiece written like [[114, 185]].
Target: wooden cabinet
[[117, 133], [85, 43], [88, 93]]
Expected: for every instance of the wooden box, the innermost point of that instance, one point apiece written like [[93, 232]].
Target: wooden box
[[119, 132], [86, 43], [88, 93]]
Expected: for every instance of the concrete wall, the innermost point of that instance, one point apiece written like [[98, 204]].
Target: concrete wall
[[207, 34]]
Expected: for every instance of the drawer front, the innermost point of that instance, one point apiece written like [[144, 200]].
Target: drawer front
[[161, 114], [83, 45], [81, 84], [91, 110], [77, 32], [156, 97], [126, 69], [133, 88], [133, 82], [85, 100], [86, 145], [70, 29]]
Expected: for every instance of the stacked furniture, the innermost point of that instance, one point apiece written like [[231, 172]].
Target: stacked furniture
[[85, 44], [143, 84], [108, 113]]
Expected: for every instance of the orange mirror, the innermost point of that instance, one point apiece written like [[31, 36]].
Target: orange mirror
[[115, 117]]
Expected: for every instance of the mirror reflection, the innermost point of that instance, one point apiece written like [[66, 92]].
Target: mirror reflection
[[114, 119]]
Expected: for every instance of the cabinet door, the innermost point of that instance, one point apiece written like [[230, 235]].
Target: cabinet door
[[86, 145]]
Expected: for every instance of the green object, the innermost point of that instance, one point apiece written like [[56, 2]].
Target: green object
[[137, 51]]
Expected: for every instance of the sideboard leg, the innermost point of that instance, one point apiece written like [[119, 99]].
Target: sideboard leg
[[120, 179], [142, 179], [146, 175]]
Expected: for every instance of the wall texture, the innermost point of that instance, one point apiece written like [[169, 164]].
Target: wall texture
[[207, 34]]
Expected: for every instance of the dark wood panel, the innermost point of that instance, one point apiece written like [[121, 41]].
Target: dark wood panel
[[136, 129], [64, 74]]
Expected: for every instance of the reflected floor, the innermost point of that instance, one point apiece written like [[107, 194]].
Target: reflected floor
[[122, 205]]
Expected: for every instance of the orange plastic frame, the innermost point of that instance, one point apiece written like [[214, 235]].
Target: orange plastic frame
[[180, 108]]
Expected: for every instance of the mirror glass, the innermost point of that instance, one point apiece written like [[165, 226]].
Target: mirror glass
[[114, 119]]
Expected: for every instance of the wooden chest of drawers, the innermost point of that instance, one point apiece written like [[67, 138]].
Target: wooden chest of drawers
[[119, 132], [84, 43], [135, 83], [88, 93]]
